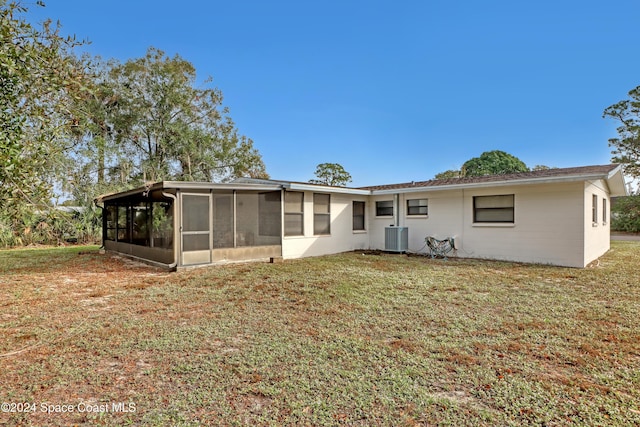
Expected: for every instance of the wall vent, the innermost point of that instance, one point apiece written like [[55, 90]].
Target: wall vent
[[396, 239]]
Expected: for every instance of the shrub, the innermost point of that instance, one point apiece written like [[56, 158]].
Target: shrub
[[625, 214], [31, 226]]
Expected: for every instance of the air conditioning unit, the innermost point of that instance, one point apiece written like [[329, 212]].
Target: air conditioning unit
[[396, 239]]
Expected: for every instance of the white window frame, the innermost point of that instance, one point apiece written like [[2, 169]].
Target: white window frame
[[319, 213], [378, 207], [364, 215], [419, 205], [505, 208], [296, 213]]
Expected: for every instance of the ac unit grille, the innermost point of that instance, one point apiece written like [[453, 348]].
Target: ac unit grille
[[396, 239]]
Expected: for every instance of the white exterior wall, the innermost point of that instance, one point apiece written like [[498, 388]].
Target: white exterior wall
[[547, 226], [552, 224], [596, 234], [342, 237], [376, 224], [444, 218]]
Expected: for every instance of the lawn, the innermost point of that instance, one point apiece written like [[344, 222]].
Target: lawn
[[351, 339]]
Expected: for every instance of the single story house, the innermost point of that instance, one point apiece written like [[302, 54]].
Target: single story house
[[555, 216]]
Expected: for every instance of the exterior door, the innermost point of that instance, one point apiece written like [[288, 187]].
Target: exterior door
[[195, 229]]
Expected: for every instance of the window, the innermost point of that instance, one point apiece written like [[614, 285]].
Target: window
[[223, 214], [162, 225], [321, 214], [594, 208], [418, 207], [111, 219], [141, 213], [493, 208], [358, 216], [148, 223], [124, 224], [293, 213], [604, 211], [384, 208], [269, 214]]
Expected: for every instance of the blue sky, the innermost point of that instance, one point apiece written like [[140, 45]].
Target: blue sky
[[392, 91]]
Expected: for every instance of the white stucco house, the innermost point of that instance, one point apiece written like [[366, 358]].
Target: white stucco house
[[556, 216]]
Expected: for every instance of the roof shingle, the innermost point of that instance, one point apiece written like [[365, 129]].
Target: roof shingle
[[603, 170]]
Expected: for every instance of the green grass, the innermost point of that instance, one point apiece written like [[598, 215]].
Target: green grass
[[349, 339]]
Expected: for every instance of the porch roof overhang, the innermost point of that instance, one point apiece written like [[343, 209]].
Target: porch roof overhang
[[163, 186]]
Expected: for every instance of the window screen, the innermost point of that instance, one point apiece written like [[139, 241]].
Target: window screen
[[195, 213], [269, 214], [417, 207], [162, 224], [321, 214], [358, 216], [384, 208], [293, 213], [111, 212], [223, 220], [124, 221], [493, 208]]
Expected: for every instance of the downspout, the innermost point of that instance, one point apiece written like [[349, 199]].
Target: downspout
[[104, 222], [396, 198], [175, 241]]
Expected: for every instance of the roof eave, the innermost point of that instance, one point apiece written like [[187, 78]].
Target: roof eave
[[293, 186], [188, 185], [110, 196], [616, 182], [504, 183]]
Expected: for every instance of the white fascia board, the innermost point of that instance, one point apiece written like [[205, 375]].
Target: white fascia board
[[109, 196], [616, 182], [529, 181], [186, 185], [325, 189]]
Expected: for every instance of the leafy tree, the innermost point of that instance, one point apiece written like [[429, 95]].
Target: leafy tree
[[39, 79], [331, 174], [627, 144], [95, 150], [166, 128], [489, 163], [494, 163], [625, 214], [542, 168], [449, 174]]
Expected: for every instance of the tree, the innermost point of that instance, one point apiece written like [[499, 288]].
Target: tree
[[166, 128], [494, 163], [449, 174], [627, 144], [625, 214], [331, 174], [39, 79], [542, 168], [489, 163]]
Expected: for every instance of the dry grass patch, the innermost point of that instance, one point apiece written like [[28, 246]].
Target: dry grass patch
[[350, 339]]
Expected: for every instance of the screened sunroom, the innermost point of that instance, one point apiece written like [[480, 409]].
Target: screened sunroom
[[180, 224]]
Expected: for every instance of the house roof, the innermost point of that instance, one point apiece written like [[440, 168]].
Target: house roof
[[302, 186], [611, 173]]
